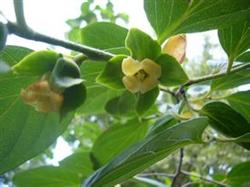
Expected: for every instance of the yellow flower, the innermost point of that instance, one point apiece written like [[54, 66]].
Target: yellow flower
[[41, 96], [140, 76]]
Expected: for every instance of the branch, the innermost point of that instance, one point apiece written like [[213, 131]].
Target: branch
[[20, 19], [21, 29], [204, 178], [176, 181], [218, 75]]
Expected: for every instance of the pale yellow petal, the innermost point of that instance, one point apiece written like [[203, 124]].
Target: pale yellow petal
[[176, 47], [131, 83], [148, 84], [151, 68], [130, 66]]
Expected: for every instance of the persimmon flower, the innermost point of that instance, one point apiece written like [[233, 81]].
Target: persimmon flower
[[140, 76], [40, 96]]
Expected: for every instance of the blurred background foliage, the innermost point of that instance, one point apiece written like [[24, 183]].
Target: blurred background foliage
[[212, 160]]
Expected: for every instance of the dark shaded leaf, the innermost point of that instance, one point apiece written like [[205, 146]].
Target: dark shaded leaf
[[147, 152], [226, 120], [240, 102], [118, 138], [170, 17]]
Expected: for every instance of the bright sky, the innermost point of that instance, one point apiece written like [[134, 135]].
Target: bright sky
[[48, 17]]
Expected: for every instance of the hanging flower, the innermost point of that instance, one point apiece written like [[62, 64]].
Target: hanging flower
[[140, 76], [41, 96]]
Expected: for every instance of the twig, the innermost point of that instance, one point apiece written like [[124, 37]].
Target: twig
[[204, 178], [176, 182], [21, 29], [218, 75], [156, 174]]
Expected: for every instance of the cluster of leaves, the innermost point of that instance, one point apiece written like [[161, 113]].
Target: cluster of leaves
[[140, 134], [91, 13]]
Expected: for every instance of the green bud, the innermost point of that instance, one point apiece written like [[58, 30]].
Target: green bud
[[65, 74]]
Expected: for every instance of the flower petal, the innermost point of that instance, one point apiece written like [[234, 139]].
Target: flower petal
[[130, 66], [176, 47], [131, 83], [148, 84], [151, 68]]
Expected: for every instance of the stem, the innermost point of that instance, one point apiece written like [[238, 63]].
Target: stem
[[218, 75], [155, 174], [230, 64], [20, 18], [21, 29], [176, 178], [204, 178]]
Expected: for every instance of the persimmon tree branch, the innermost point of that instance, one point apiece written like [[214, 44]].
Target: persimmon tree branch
[[176, 178], [218, 75], [21, 29]]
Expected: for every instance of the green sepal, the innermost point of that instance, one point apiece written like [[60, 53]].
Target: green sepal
[[65, 74], [146, 100], [141, 45], [36, 63], [3, 35], [74, 97], [172, 74], [112, 75]]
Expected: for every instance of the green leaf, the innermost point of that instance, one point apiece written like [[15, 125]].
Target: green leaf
[[123, 105], [90, 70], [112, 75], [163, 123], [36, 63], [7, 59], [74, 35], [170, 17], [47, 176], [79, 162], [231, 80], [241, 139], [118, 138], [11, 55], [245, 57], [172, 73], [97, 97], [27, 134], [240, 174], [107, 36], [147, 152], [141, 45], [146, 100], [226, 120], [3, 35], [235, 39], [240, 102]]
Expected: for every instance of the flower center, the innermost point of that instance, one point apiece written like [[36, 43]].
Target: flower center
[[141, 75]]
